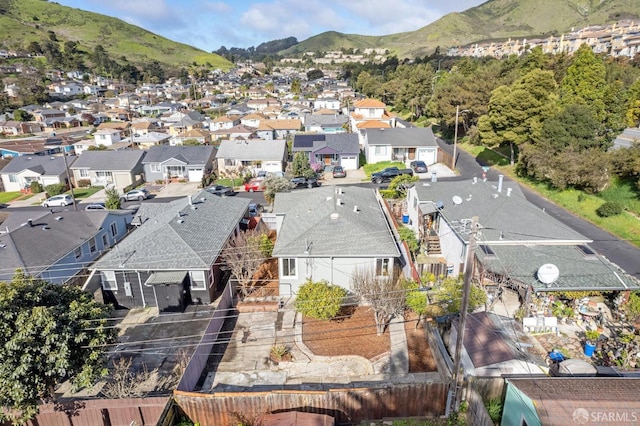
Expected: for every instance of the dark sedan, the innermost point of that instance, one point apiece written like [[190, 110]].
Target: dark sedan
[[339, 172], [303, 182]]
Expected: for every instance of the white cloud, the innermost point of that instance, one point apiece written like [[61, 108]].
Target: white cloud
[[143, 10]]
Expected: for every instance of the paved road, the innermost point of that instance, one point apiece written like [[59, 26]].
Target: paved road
[[616, 250]]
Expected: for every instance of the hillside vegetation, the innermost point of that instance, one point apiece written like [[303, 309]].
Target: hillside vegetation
[[495, 19], [26, 21]]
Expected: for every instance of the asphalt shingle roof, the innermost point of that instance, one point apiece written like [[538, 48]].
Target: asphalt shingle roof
[[44, 165], [167, 240], [253, 149], [191, 155], [124, 160], [309, 221], [402, 137]]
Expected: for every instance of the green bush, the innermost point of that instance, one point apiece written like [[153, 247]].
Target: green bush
[[494, 408], [319, 300], [266, 245], [84, 183], [610, 208], [35, 187], [112, 201], [55, 189]]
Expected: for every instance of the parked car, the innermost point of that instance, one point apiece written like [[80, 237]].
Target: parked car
[[61, 200], [135, 194], [254, 209], [221, 190], [303, 182], [339, 172], [389, 173], [418, 166], [95, 206], [254, 185]]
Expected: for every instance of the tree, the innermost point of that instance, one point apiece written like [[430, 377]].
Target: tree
[[273, 185], [300, 165], [295, 86], [48, 334], [112, 201], [416, 299], [384, 294], [314, 74], [585, 82], [243, 255], [409, 236], [191, 142], [22, 115], [319, 299], [449, 296]]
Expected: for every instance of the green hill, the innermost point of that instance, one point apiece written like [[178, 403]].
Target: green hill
[[24, 21], [495, 19]]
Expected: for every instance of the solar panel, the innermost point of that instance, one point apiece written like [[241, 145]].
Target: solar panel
[[306, 141], [488, 251]]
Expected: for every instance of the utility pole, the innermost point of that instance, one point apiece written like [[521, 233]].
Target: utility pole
[[458, 376], [66, 167], [455, 140]]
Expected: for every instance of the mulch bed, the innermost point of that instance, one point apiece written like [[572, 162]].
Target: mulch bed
[[420, 357]]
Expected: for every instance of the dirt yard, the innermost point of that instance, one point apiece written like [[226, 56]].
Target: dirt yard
[[354, 333]]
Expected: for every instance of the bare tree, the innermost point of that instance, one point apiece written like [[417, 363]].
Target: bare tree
[[385, 294], [243, 255]]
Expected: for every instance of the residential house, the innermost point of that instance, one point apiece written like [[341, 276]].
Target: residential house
[[181, 162], [19, 147], [340, 149], [121, 126], [58, 245], [549, 401], [172, 259], [626, 139], [253, 120], [253, 154], [15, 128], [371, 113], [517, 239], [121, 169], [400, 144], [47, 114], [325, 123], [237, 132], [327, 103], [147, 140], [107, 137], [144, 126], [21, 171], [223, 122], [329, 233], [278, 129], [203, 137]]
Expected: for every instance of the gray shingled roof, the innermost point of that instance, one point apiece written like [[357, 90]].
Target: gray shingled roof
[[44, 165], [308, 221], [191, 155], [253, 149], [578, 272], [122, 160], [325, 120], [34, 248], [167, 241], [344, 143], [505, 219], [402, 137]]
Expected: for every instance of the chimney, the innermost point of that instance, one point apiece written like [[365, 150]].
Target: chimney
[[509, 192], [500, 178], [30, 222]]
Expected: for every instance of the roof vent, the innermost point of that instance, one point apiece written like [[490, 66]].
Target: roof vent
[[3, 246], [335, 216], [329, 198], [30, 222], [509, 192], [356, 209], [180, 220], [339, 201], [44, 228], [59, 218]]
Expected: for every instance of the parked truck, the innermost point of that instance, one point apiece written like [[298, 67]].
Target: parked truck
[[385, 175]]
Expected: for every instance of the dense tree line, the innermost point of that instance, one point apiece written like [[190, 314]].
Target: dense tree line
[[557, 115]]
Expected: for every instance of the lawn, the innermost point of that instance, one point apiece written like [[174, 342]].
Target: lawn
[[5, 197], [486, 155], [375, 167], [85, 192]]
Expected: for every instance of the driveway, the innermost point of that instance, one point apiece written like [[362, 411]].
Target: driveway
[[175, 189]]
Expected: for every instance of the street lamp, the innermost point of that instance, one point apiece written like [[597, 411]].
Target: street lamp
[[455, 136]]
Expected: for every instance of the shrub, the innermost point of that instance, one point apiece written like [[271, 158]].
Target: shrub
[[610, 208], [407, 235], [112, 201], [266, 245], [494, 408], [55, 189], [319, 300], [35, 187], [84, 183]]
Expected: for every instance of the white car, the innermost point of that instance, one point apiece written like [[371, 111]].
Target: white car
[[61, 200], [135, 194], [95, 206]]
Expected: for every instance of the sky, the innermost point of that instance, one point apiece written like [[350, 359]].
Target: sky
[[210, 24]]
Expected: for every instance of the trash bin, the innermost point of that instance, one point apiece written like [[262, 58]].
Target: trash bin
[[589, 349], [405, 218]]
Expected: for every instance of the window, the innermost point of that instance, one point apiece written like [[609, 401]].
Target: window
[[92, 245], [114, 229], [105, 244], [380, 150], [109, 280], [197, 280], [289, 268], [104, 175], [83, 172], [382, 267], [13, 178], [78, 252], [154, 167]]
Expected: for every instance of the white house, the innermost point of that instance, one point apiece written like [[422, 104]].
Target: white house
[[400, 144], [21, 171]]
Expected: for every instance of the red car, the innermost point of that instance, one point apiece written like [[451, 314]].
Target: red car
[[254, 185]]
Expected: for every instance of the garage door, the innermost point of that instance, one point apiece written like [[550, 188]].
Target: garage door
[[349, 162], [195, 175], [427, 155]]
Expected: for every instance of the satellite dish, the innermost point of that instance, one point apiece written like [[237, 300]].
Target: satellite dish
[[457, 200], [548, 273], [439, 205]]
